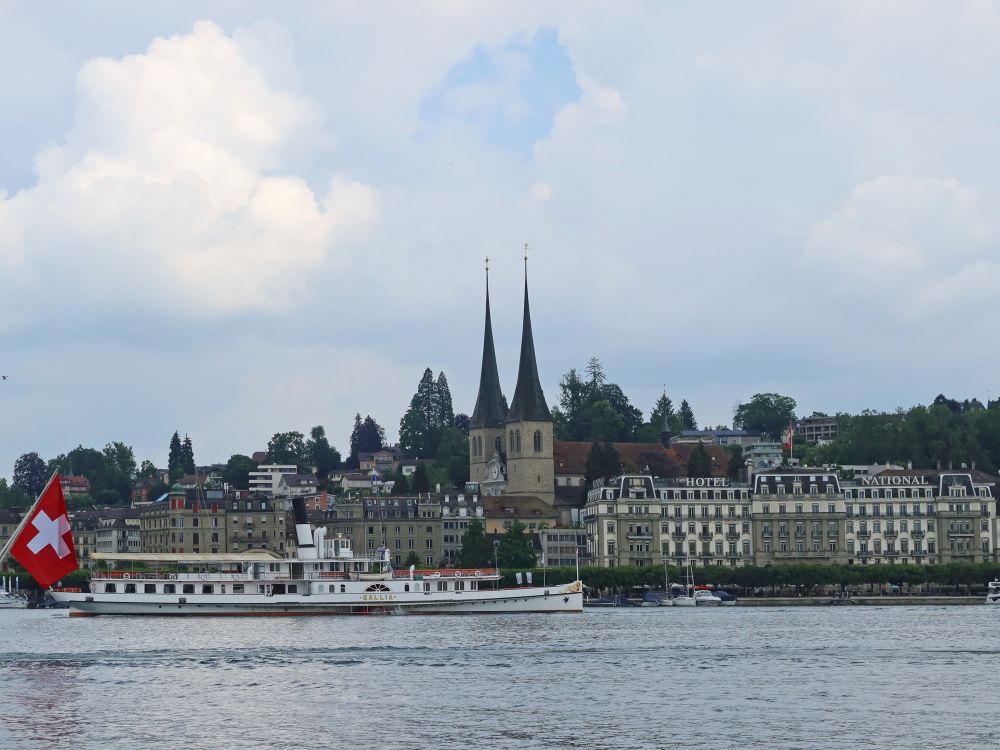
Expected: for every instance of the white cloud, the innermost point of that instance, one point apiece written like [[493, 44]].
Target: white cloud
[[922, 239], [168, 190]]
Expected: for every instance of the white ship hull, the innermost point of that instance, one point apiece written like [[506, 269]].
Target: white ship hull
[[561, 598]]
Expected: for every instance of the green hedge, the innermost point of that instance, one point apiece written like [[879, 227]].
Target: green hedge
[[808, 576]]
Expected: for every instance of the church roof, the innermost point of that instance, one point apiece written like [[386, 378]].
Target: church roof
[[529, 401], [491, 406]]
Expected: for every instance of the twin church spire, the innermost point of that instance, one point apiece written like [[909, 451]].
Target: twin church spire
[[529, 401]]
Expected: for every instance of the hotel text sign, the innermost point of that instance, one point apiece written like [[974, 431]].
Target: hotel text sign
[[706, 482], [894, 481]]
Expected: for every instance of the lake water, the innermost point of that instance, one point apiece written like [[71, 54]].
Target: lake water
[[800, 677]]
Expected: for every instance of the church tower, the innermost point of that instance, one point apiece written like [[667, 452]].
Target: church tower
[[530, 462], [487, 450]]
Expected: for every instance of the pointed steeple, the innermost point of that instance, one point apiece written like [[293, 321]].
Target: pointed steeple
[[491, 406], [529, 401]]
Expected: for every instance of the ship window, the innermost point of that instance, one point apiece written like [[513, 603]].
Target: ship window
[[207, 588], [343, 588], [237, 588], [149, 588], [406, 587], [129, 588], [293, 588], [110, 588], [169, 588], [187, 588]]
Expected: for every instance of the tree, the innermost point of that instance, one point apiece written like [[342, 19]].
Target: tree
[[413, 432], [412, 559], [444, 413], [453, 456], [352, 460], [30, 474], [430, 413], [400, 484], [700, 463], [686, 415], [605, 424], [13, 497], [477, 552], [120, 468], [515, 548], [462, 422], [659, 464], [287, 448], [735, 461], [367, 436], [237, 471], [320, 453], [603, 462], [147, 470], [187, 456], [767, 413], [175, 458], [585, 408], [420, 482]]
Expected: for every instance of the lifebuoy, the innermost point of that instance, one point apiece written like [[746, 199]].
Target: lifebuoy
[[172, 576], [457, 573], [126, 575], [479, 573]]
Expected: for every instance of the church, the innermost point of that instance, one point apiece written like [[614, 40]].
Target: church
[[510, 448]]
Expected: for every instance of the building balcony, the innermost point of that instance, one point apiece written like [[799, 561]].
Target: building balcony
[[864, 535], [891, 534], [679, 535], [705, 536], [732, 536], [638, 535]]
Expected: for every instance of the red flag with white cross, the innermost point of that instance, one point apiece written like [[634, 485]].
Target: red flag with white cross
[[45, 545]]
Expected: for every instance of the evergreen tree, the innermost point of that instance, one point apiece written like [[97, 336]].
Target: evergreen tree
[[412, 559], [477, 552], [420, 482], [401, 485], [735, 461], [443, 411], [413, 431], [355, 441], [686, 415], [187, 456], [603, 462], [700, 463], [175, 458]]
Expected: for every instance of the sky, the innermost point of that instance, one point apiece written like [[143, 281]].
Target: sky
[[232, 219]]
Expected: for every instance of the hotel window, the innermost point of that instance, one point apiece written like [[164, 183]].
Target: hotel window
[[815, 507], [767, 546], [746, 547], [783, 547], [798, 507], [765, 508], [850, 546], [782, 508]]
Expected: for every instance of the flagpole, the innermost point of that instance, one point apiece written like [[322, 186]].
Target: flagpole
[[24, 521]]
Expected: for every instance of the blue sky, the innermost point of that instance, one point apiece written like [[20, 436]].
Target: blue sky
[[237, 219]]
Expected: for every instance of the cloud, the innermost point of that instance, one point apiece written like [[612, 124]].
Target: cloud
[[168, 191], [923, 239]]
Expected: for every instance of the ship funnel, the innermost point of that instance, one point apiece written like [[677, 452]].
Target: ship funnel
[[303, 536]]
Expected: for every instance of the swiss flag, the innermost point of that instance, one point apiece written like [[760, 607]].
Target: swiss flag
[[45, 544]]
